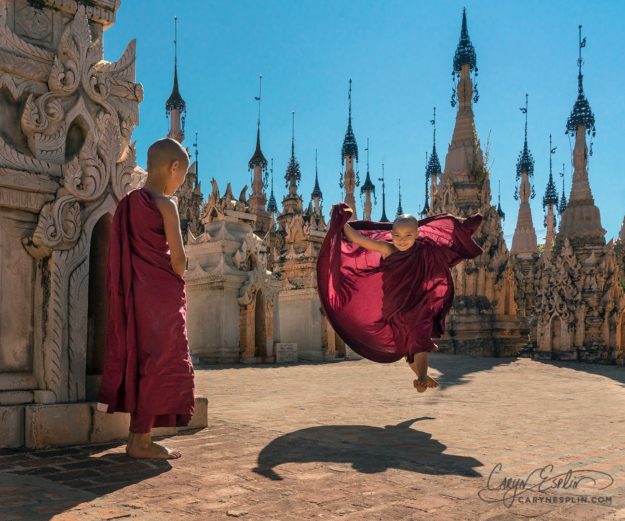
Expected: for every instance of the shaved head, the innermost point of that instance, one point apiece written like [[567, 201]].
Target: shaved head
[[405, 219], [164, 152]]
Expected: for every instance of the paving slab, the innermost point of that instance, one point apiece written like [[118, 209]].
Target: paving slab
[[501, 439]]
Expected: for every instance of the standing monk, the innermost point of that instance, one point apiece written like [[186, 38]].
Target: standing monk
[[147, 367]]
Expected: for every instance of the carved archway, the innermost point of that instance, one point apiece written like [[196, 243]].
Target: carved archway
[[260, 325], [97, 303]]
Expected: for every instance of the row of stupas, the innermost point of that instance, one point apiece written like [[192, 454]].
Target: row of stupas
[[562, 299]]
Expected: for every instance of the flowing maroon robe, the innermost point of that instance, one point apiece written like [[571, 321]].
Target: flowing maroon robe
[[147, 365], [385, 309]]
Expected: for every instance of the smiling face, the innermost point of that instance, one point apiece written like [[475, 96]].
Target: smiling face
[[405, 232]]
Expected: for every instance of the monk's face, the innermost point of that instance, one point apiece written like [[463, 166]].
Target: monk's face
[[404, 235], [177, 173]]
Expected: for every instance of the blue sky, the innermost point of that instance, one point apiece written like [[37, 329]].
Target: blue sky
[[398, 54]]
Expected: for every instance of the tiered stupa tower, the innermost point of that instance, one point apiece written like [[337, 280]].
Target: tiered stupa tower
[[550, 204], [349, 153], [524, 251], [314, 213], [367, 189], [483, 319], [189, 194], [580, 301], [581, 221], [298, 241], [258, 164], [432, 170], [524, 240]]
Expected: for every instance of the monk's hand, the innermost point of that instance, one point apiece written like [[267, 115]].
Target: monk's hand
[[340, 209]]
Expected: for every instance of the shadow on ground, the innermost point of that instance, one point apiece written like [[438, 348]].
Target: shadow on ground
[[614, 372], [455, 368], [368, 449], [40, 484]]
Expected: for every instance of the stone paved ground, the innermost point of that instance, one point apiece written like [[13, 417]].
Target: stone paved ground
[[353, 440]]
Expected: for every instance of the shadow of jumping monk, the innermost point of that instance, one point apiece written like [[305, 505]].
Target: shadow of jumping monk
[[368, 449]]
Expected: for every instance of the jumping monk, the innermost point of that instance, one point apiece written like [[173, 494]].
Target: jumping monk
[[386, 287], [147, 367]]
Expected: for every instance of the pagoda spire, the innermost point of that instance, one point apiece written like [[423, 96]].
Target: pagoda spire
[[317, 195], [383, 219], [563, 203], [465, 58], [433, 168], [524, 239], [258, 164], [525, 162], [175, 107], [272, 206], [581, 221], [426, 206], [292, 202], [500, 212], [258, 159], [550, 203], [433, 165], [197, 164], [400, 210], [350, 147], [367, 188], [349, 179], [464, 162]]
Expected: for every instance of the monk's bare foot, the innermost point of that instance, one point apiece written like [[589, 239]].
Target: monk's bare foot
[[420, 385], [431, 382], [141, 446], [153, 451]]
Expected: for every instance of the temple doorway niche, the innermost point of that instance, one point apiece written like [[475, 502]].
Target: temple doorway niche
[[97, 304], [508, 307], [75, 139], [556, 334], [336, 345], [260, 326]]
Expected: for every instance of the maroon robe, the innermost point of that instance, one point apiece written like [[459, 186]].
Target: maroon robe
[[147, 365], [385, 309]]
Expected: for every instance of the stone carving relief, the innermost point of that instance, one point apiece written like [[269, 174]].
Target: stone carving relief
[[216, 205], [73, 130], [78, 128]]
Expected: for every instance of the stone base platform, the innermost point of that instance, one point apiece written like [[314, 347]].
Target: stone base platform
[[55, 425]]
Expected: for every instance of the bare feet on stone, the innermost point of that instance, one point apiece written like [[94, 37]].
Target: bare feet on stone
[[141, 446]]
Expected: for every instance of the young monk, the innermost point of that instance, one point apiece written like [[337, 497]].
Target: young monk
[[387, 288], [147, 368]]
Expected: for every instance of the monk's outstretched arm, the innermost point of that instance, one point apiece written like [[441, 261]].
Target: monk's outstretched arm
[[171, 224], [381, 247]]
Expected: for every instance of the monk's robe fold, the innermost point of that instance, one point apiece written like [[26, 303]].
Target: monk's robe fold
[[385, 309], [147, 365]]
